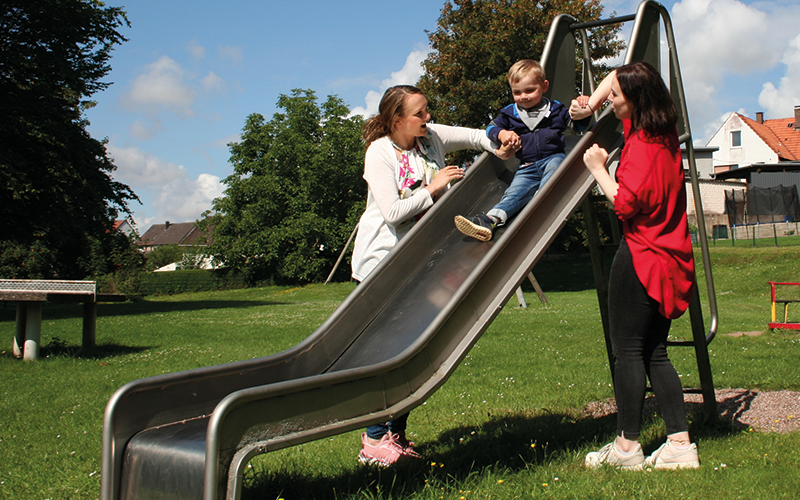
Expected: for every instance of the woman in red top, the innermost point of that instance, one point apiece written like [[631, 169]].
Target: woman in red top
[[652, 276]]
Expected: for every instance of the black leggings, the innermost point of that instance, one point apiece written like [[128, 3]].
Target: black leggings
[[639, 341]]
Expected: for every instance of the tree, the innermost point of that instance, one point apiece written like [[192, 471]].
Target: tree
[[58, 200], [475, 43], [163, 255], [295, 195]]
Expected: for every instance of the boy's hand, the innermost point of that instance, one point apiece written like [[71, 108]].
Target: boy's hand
[[509, 138], [579, 108]]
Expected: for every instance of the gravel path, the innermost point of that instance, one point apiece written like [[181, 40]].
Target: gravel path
[[777, 411]]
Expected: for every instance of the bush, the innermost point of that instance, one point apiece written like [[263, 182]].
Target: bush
[[190, 280], [128, 283]]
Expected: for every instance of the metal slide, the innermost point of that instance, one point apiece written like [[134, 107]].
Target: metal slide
[[385, 350]]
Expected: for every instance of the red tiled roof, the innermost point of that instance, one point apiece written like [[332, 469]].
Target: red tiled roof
[[779, 134]]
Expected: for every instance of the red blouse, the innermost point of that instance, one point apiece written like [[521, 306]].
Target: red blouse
[[651, 201]]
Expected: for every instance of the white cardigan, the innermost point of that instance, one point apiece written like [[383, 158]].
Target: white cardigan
[[388, 217]]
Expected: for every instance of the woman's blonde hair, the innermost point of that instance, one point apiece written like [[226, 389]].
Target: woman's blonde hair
[[390, 109], [526, 67]]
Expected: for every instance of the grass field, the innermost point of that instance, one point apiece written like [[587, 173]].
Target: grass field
[[508, 424]]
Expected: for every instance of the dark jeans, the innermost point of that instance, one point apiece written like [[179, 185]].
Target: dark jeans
[[396, 426], [638, 339]]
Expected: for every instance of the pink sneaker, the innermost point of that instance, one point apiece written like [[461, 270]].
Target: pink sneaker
[[386, 453], [408, 446], [393, 447]]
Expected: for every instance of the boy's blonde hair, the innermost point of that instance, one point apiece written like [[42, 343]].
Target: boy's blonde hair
[[526, 67]]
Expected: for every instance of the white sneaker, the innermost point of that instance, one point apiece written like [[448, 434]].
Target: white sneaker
[[609, 454], [670, 457]]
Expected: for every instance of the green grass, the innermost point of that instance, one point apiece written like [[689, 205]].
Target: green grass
[[508, 424]]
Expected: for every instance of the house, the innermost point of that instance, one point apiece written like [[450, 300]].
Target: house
[[743, 142], [712, 191], [185, 234], [761, 154], [124, 227]]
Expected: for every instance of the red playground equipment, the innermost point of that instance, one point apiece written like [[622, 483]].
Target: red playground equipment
[[785, 302]]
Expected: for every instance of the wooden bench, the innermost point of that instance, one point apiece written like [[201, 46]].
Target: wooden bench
[[30, 296], [785, 302]]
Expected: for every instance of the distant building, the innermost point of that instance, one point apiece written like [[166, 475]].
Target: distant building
[[182, 234], [744, 142], [759, 154], [712, 191], [124, 227]]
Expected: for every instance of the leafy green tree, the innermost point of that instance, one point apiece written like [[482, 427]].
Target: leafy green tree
[[475, 43], [295, 195], [58, 200], [163, 255]]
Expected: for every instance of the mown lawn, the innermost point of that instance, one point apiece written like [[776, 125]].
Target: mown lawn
[[508, 424]]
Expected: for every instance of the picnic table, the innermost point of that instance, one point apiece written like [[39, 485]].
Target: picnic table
[[30, 296]]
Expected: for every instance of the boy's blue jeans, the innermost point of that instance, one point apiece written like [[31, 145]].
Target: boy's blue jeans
[[526, 182]]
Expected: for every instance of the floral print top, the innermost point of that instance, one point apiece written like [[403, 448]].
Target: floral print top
[[416, 169]]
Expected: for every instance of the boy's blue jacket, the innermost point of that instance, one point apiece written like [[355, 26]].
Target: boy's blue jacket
[[545, 140]]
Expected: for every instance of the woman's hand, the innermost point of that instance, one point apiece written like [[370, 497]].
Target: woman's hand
[[507, 151], [443, 179], [579, 108], [595, 158]]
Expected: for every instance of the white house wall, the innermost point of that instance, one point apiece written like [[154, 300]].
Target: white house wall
[[753, 149]]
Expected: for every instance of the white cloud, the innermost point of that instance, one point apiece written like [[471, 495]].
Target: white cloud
[[408, 75], [232, 53], [212, 82], [162, 87], [717, 39], [138, 168], [778, 102], [196, 50], [185, 200], [166, 189], [145, 129], [723, 36]]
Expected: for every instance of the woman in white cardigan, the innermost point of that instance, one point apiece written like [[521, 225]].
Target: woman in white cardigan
[[406, 173]]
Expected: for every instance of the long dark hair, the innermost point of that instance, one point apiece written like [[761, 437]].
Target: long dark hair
[[391, 108], [653, 110]]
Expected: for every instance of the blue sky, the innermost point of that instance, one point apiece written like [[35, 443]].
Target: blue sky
[[193, 70]]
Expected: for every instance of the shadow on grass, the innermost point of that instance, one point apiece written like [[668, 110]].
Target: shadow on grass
[[59, 348], [53, 311], [502, 444]]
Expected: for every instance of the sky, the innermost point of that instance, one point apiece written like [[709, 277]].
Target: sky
[[192, 71]]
